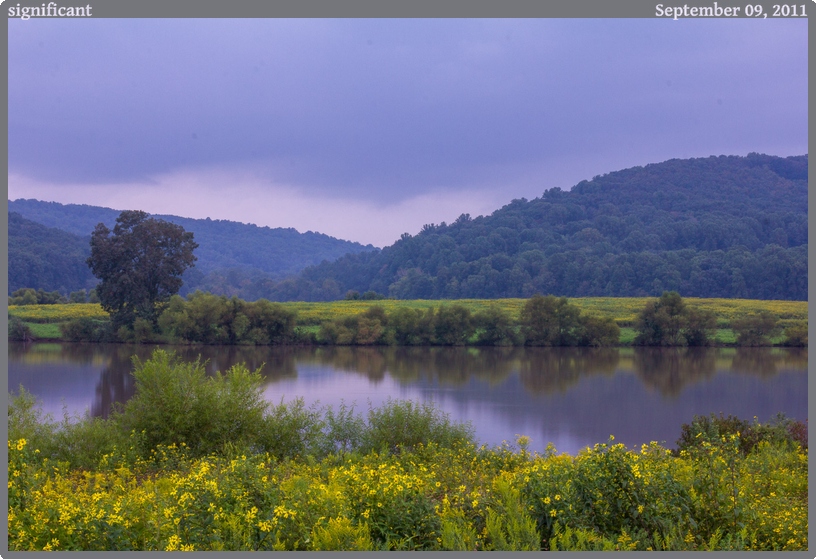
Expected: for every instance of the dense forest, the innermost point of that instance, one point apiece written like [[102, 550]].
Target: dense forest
[[727, 226], [46, 258], [230, 254]]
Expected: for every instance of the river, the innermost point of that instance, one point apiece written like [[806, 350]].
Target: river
[[571, 397]]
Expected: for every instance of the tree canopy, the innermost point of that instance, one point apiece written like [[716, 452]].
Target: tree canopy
[[140, 264]]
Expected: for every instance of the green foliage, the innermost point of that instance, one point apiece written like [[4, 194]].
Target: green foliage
[[698, 327], [550, 321], [495, 327], [140, 264], [670, 322], [28, 296], [341, 535], [797, 335], [660, 321], [405, 424], [411, 326], [78, 297], [290, 429], [176, 402], [457, 533], [86, 329], [509, 528], [212, 319], [597, 331], [18, 330], [713, 429], [756, 330], [453, 325]]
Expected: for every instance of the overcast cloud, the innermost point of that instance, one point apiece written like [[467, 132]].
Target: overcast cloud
[[365, 129]]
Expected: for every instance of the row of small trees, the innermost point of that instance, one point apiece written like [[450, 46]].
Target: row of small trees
[[544, 321], [668, 321], [30, 296]]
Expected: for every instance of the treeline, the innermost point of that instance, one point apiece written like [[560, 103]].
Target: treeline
[[725, 227], [212, 319], [204, 318], [30, 296]]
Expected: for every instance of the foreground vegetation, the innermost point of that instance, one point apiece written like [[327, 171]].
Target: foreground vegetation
[[202, 463], [211, 319]]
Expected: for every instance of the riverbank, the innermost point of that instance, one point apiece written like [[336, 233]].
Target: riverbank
[[163, 475], [310, 323]]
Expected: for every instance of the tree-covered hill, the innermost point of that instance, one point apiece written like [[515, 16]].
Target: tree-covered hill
[[724, 226], [46, 258], [228, 250]]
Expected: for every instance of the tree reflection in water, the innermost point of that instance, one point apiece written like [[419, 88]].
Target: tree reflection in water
[[541, 371]]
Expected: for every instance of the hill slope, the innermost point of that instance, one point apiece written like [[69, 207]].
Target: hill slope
[[47, 258], [262, 251], [726, 226]]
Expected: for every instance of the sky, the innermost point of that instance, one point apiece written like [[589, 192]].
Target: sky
[[368, 129]]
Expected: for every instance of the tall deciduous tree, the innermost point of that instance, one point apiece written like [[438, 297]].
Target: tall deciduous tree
[[140, 264]]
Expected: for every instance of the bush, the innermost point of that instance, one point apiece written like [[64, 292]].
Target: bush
[[176, 402], [549, 321], [711, 429], [453, 325], [18, 330], [596, 331], [86, 329], [290, 429], [661, 321], [78, 442], [755, 330], [495, 327], [407, 424], [341, 535], [797, 335]]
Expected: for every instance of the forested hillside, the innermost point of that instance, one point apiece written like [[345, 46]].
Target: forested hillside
[[46, 258], [229, 253], [724, 226]]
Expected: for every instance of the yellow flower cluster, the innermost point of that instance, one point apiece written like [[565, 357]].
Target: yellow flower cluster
[[413, 500], [57, 313]]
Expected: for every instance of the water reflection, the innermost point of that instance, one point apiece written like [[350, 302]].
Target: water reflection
[[577, 393]]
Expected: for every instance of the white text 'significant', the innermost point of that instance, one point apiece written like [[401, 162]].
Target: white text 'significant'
[[49, 10]]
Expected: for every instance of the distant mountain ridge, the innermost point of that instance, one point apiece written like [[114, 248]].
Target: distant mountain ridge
[[46, 258], [223, 245], [722, 226]]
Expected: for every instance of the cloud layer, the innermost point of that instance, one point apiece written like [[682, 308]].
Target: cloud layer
[[365, 129]]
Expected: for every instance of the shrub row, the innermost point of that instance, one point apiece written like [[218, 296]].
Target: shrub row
[[542, 321]]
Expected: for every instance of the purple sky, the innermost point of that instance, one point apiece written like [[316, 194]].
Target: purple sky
[[366, 129]]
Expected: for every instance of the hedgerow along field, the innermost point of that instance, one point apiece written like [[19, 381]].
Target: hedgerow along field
[[185, 475], [311, 315]]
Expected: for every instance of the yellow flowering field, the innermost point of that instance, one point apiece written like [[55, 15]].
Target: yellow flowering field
[[57, 313], [425, 498], [623, 310]]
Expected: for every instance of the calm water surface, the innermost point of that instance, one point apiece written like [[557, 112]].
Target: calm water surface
[[572, 397]]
